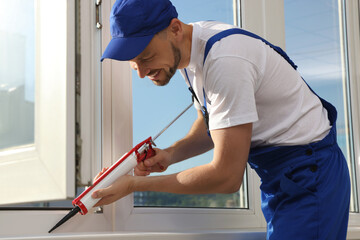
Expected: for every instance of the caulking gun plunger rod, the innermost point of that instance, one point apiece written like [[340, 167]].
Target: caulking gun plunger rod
[[121, 167], [157, 135]]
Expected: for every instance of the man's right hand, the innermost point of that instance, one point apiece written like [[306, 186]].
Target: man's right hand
[[158, 163]]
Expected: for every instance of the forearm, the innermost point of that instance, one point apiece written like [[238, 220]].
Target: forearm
[[222, 175], [205, 179], [194, 143]]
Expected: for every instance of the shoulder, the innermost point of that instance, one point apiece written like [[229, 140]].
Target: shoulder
[[239, 45], [206, 29]]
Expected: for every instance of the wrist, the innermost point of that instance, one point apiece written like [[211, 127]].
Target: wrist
[[140, 184], [170, 151], [132, 184]]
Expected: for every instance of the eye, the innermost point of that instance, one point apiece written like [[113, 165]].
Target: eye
[[147, 59]]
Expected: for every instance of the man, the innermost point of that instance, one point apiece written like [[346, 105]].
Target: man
[[257, 109]]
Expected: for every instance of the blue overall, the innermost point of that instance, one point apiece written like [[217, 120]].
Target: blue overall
[[305, 190]]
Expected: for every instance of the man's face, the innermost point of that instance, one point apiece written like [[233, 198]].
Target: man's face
[[159, 61]]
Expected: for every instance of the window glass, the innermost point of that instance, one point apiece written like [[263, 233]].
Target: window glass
[[314, 41], [18, 40], [154, 107], [17, 73]]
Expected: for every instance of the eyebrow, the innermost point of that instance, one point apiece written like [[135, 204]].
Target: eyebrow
[[142, 55], [146, 56]]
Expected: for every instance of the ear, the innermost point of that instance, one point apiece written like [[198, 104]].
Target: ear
[[175, 29]]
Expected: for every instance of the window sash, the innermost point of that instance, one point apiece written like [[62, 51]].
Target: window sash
[[90, 106], [45, 170], [38, 222]]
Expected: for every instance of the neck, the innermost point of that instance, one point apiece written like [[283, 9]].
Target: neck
[[186, 46]]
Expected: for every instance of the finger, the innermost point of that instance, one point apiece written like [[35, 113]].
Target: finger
[[97, 176], [140, 172], [100, 173], [104, 170], [150, 162], [155, 164], [162, 168], [96, 194], [105, 201], [101, 193], [141, 166]]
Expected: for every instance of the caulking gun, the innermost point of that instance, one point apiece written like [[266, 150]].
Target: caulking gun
[[125, 164]]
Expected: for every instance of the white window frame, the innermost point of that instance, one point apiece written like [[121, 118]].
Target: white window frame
[[353, 43], [121, 220], [44, 171], [55, 100], [90, 91]]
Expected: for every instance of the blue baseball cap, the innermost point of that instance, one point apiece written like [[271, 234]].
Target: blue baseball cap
[[133, 23]]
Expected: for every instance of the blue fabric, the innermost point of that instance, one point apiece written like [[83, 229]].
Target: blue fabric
[[225, 33], [203, 108], [133, 23], [305, 190], [228, 32]]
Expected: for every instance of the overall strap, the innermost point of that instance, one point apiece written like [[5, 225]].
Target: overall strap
[[332, 113], [225, 33], [203, 108]]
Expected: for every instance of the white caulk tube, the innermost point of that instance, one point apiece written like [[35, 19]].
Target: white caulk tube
[[121, 167], [87, 202], [125, 164]]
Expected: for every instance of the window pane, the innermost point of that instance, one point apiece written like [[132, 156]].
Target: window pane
[[314, 40], [17, 73], [23, 42], [154, 107]]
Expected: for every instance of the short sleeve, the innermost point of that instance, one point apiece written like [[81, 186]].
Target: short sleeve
[[230, 84]]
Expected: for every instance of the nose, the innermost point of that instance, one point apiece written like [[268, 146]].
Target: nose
[[142, 70]]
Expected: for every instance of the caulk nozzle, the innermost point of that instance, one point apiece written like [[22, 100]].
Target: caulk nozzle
[[72, 213]]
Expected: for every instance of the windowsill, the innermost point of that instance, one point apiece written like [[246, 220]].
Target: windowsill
[[353, 233], [250, 234], [198, 235]]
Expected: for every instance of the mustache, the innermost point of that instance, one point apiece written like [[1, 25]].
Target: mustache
[[152, 72]]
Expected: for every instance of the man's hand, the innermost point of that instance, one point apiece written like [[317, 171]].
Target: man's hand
[[122, 186], [119, 189], [222, 175], [158, 163]]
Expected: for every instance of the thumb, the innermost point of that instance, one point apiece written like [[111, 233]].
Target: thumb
[[151, 161], [148, 162], [101, 193]]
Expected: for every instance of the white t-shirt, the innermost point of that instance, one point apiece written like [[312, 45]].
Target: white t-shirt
[[245, 81]]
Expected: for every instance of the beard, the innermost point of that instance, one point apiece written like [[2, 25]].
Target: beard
[[172, 70]]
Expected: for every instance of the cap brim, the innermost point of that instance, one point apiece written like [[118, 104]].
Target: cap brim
[[124, 49]]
